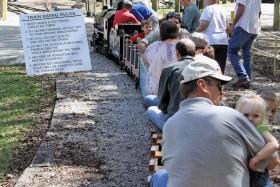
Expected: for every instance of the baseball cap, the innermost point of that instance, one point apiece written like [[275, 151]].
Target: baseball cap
[[198, 70], [127, 2], [199, 39]]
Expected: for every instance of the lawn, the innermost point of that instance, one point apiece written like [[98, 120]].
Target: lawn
[[22, 99]]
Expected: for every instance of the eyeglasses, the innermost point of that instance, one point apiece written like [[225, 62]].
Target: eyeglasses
[[218, 85], [173, 15]]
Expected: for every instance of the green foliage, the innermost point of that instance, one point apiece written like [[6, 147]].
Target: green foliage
[[19, 99]]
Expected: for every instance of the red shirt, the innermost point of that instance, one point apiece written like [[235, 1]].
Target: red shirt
[[124, 16], [134, 38]]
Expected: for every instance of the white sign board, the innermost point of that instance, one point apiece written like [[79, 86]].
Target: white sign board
[[55, 42]]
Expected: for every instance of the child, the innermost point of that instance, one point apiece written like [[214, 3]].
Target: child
[[253, 107], [146, 27], [209, 52], [272, 104]]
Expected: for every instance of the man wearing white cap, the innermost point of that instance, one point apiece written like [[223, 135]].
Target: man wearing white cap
[[204, 144]]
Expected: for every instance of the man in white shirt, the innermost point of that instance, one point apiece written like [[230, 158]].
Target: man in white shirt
[[244, 30]]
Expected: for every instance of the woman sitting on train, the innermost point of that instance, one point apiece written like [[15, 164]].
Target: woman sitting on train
[[175, 17], [160, 54]]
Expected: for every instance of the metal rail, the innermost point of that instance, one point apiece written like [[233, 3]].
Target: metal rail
[[21, 9]]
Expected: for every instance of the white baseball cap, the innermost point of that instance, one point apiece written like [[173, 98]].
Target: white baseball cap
[[197, 70]]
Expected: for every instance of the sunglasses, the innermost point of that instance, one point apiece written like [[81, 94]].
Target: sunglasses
[[173, 15], [218, 85]]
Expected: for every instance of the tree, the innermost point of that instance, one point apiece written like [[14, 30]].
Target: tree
[[276, 20]]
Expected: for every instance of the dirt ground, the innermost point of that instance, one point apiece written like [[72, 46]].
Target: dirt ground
[[84, 163]]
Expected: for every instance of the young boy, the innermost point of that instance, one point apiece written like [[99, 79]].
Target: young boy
[[146, 27], [272, 104]]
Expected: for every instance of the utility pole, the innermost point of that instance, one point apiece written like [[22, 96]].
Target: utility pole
[[177, 6], [90, 7], [3, 9]]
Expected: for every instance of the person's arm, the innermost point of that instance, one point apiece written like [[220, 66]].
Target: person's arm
[[227, 28], [275, 161], [134, 20], [203, 25], [205, 19], [253, 140], [134, 38], [142, 46], [270, 147], [150, 38], [239, 13]]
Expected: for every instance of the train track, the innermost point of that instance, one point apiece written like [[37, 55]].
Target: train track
[[23, 9]]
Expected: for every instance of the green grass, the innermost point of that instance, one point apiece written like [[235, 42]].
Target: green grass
[[20, 97]]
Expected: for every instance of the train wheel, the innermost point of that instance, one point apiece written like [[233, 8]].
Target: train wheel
[[136, 83], [93, 43], [105, 49]]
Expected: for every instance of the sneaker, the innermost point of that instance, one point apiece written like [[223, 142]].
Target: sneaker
[[241, 82]]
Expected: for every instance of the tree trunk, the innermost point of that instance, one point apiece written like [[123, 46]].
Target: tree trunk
[[276, 20], [177, 6], [155, 5]]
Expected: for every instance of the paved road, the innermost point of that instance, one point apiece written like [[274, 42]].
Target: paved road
[[267, 14]]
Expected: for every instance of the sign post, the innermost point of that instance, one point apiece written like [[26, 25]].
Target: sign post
[[55, 42]]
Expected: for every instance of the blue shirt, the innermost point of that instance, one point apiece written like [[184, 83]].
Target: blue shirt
[[191, 17], [141, 11]]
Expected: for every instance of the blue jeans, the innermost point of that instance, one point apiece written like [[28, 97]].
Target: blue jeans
[[157, 118], [240, 39], [269, 184], [159, 178], [150, 100]]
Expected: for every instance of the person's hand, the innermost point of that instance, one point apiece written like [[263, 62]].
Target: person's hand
[[138, 39], [231, 28], [253, 163], [144, 60]]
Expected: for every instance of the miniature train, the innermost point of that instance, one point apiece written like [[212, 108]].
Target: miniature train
[[115, 44]]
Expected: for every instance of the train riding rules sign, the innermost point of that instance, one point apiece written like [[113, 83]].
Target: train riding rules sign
[[55, 42]]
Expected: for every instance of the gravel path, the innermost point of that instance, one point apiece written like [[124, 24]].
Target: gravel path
[[99, 134]]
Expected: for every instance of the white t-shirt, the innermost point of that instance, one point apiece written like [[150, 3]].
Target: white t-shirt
[[249, 20], [216, 30], [201, 58]]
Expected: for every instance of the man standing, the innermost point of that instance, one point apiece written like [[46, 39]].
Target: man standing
[[123, 15], [204, 144], [191, 15], [244, 30]]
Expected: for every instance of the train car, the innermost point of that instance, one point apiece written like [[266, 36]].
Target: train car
[[102, 26]]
